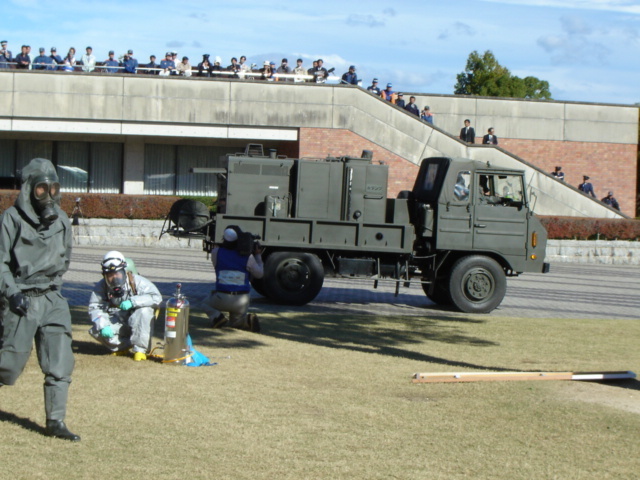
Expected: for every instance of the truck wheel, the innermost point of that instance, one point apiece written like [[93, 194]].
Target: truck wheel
[[477, 284], [440, 295], [258, 286], [292, 278]]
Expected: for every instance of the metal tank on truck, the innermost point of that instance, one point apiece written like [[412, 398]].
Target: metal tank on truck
[[461, 231]]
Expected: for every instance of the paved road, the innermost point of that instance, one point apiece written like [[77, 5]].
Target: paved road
[[569, 291]]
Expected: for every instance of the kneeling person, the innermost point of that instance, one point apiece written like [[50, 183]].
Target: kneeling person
[[234, 270], [122, 307]]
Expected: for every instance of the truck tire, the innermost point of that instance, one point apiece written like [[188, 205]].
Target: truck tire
[[477, 284], [292, 278], [258, 286], [440, 294]]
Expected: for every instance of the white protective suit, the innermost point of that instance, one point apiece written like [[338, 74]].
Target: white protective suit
[[132, 328]]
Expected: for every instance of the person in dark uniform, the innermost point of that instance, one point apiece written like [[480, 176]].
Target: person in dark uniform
[[586, 186], [558, 173], [35, 251], [611, 201]]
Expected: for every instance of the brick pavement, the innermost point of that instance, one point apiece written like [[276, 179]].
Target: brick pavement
[[569, 291]]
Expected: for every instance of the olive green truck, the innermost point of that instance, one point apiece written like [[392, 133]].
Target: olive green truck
[[460, 232]]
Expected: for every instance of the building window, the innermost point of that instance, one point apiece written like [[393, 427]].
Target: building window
[[89, 167], [167, 169]]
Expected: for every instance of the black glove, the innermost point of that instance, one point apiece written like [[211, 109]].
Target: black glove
[[19, 303]]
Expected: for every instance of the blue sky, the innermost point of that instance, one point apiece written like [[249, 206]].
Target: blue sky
[[588, 50]]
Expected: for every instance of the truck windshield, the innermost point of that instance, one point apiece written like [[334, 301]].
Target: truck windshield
[[430, 178], [498, 188]]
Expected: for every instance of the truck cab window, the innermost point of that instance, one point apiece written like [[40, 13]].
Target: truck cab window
[[461, 188]]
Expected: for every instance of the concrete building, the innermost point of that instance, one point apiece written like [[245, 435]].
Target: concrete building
[[141, 134]]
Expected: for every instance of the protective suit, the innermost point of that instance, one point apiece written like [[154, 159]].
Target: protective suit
[[122, 308], [35, 251]]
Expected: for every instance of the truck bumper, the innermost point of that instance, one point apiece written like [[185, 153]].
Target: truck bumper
[[546, 267]]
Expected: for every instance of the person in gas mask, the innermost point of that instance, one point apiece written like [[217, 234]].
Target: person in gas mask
[[35, 251], [122, 308], [234, 270]]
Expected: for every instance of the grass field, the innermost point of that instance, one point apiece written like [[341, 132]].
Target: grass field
[[330, 397]]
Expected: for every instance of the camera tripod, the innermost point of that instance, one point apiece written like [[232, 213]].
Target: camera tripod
[[76, 215]]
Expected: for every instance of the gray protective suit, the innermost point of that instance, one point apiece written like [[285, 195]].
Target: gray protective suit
[[132, 328], [33, 258]]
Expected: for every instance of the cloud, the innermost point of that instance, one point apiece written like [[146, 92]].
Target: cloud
[[357, 20], [457, 29], [389, 12], [175, 44], [576, 46], [199, 16], [624, 6]]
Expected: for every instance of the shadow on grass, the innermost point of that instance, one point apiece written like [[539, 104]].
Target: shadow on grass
[[629, 384], [25, 423], [370, 334]]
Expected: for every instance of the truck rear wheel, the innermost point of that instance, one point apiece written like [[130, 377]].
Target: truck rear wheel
[[477, 284], [293, 278], [440, 294]]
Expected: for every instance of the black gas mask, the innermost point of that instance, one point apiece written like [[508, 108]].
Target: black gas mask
[[45, 194]]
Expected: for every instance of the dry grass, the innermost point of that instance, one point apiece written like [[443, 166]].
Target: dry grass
[[323, 396]]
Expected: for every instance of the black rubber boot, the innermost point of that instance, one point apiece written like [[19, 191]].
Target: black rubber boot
[[57, 428]]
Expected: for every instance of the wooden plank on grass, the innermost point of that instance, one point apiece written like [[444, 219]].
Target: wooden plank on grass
[[517, 376]]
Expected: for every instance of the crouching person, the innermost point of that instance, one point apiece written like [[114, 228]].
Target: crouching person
[[234, 270], [122, 308]]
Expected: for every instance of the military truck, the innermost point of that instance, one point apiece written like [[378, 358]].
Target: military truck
[[460, 232]]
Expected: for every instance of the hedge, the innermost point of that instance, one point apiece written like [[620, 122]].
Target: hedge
[[157, 207]]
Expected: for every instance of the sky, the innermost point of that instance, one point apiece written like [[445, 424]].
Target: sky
[[588, 50]]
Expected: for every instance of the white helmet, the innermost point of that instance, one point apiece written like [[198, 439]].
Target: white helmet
[[113, 270]]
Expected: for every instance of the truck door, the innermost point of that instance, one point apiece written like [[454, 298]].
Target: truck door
[[454, 213], [500, 222]]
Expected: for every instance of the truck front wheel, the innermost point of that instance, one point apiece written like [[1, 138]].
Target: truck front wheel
[[477, 284], [292, 278]]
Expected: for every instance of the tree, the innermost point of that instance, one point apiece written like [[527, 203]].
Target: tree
[[484, 76]]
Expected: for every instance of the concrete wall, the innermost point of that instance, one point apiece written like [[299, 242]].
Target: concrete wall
[[140, 108]]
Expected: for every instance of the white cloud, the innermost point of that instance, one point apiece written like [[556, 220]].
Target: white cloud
[[625, 6]]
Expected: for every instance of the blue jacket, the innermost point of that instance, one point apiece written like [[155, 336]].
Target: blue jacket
[[130, 65], [110, 64], [231, 271]]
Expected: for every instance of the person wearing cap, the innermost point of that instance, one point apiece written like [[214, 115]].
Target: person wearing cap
[[184, 67], [129, 63], [204, 67], [267, 71], [388, 94], [42, 60], [611, 201], [320, 73], [586, 187], [111, 64], [426, 114], [57, 59], [299, 71], [411, 107], [350, 77], [167, 65], [23, 60], [5, 55], [558, 173], [374, 88], [400, 100], [217, 66], [88, 61], [490, 138], [234, 271]]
